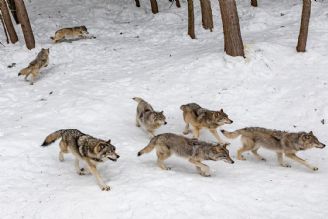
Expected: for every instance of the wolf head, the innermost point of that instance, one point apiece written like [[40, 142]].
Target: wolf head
[[46, 51], [159, 118], [84, 30], [308, 140], [220, 152], [221, 118], [105, 150]]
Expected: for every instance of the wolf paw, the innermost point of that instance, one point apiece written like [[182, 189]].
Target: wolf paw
[[315, 168], [186, 132], [205, 174], [83, 172], [105, 188], [286, 165], [241, 158], [263, 159]]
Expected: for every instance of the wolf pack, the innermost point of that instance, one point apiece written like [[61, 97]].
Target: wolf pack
[[93, 151]]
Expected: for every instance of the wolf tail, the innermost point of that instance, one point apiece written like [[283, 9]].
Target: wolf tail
[[137, 99], [24, 71], [53, 137], [231, 135], [149, 147]]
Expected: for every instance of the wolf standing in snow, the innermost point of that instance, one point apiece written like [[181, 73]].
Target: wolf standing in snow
[[84, 147], [200, 118], [34, 67], [70, 32], [192, 149], [281, 142], [148, 117]]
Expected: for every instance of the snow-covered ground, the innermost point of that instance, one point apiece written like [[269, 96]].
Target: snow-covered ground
[[89, 84]]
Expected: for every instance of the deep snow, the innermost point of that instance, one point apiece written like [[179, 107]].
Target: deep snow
[[89, 85]]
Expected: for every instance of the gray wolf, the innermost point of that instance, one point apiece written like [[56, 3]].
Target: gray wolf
[[148, 117], [193, 150], [85, 148], [200, 118], [70, 32], [35, 66], [281, 142]]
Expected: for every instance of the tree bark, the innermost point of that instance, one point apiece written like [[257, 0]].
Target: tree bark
[[137, 3], [154, 6], [254, 3], [4, 29], [207, 17], [12, 7], [191, 19], [177, 3], [233, 43], [25, 24], [7, 20], [302, 37]]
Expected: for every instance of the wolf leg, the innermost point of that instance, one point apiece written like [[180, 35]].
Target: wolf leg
[[80, 171], [100, 182], [151, 133], [186, 130], [63, 149], [203, 169], [301, 161], [216, 135], [196, 132], [281, 160], [254, 151], [161, 156], [248, 144]]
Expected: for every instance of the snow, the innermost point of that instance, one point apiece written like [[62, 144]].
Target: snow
[[89, 84]]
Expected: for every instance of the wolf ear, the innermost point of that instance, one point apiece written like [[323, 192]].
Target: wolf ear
[[108, 141], [310, 133], [225, 145], [221, 110], [161, 112]]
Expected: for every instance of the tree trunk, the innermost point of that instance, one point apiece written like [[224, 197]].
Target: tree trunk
[[302, 37], [25, 24], [4, 29], [207, 17], [12, 7], [154, 6], [233, 43], [7, 20], [191, 19], [177, 3], [138, 3], [254, 3]]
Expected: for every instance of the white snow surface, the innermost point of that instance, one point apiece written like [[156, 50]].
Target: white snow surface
[[89, 84]]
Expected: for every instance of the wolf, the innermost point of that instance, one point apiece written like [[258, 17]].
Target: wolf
[[85, 148], [200, 118], [192, 149], [281, 142], [148, 117], [42, 60], [70, 32]]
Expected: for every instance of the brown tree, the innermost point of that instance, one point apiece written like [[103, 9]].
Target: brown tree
[[7, 20], [154, 6], [137, 3], [177, 3], [25, 24], [254, 3], [302, 37], [191, 19], [4, 29], [233, 43], [207, 17], [12, 7]]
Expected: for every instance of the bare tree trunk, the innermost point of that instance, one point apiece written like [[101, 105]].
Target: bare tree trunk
[[191, 19], [7, 20], [25, 24], [207, 17], [177, 3], [154, 6], [254, 3], [12, 7], [4, 29], [137, 3], [233, 43], [302, 37]]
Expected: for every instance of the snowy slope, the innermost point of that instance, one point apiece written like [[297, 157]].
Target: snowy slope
[[89, 85]]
